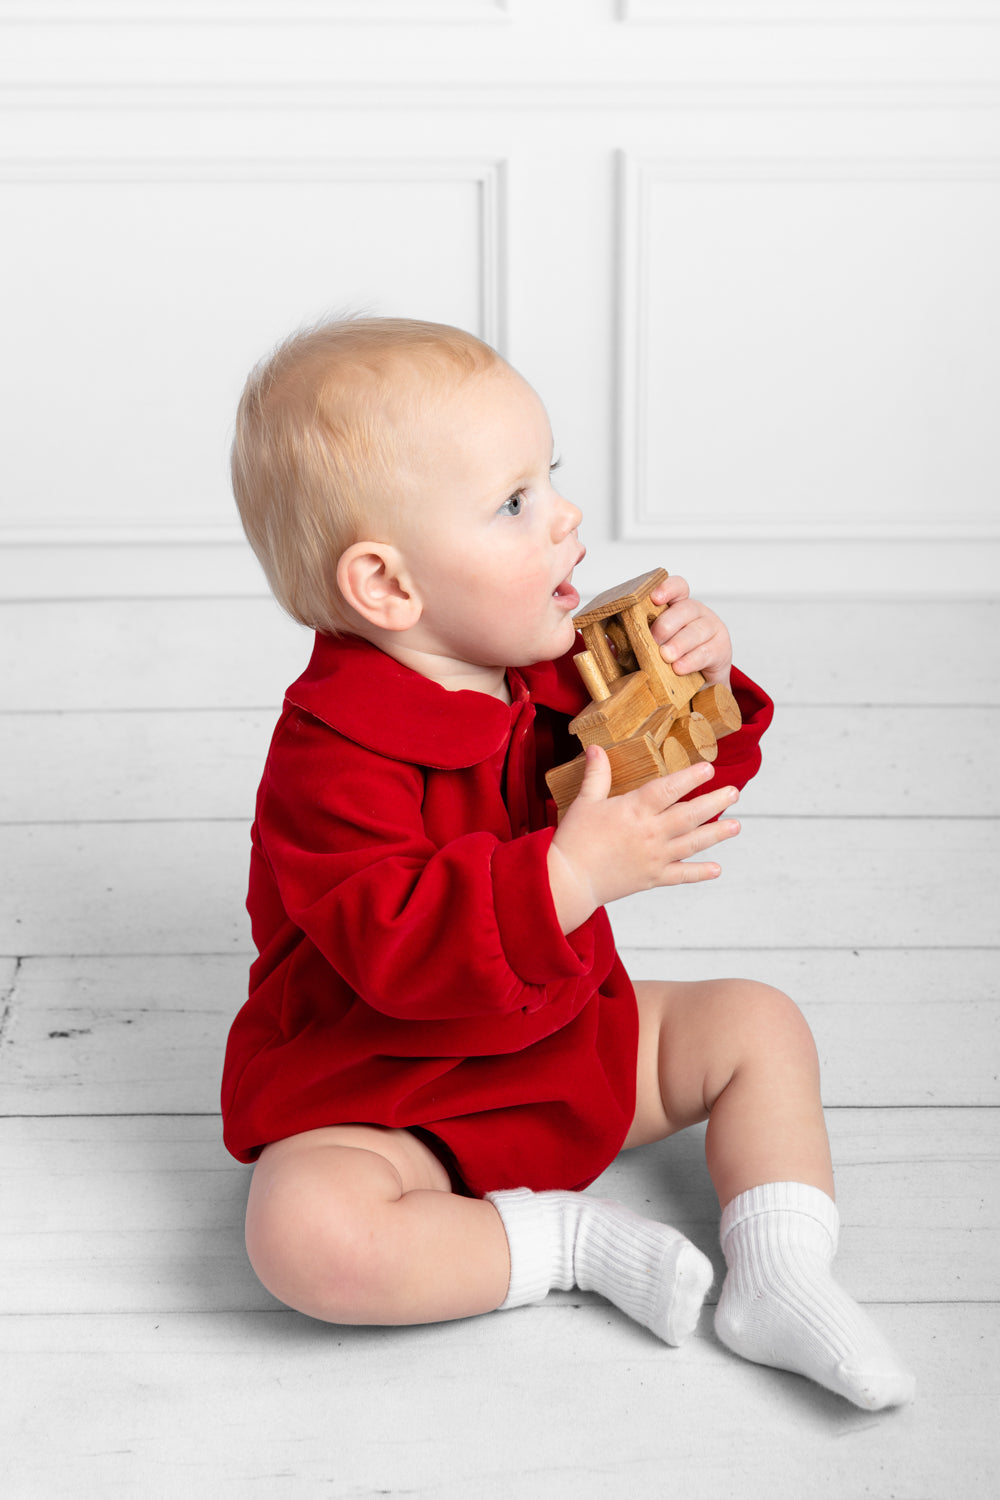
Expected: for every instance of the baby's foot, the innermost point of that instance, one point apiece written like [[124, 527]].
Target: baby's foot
[[650, 1271], [781, 1306], [565, 1239]]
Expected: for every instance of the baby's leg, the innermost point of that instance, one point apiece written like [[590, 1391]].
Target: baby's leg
[[741, 1055], [355, 1224]]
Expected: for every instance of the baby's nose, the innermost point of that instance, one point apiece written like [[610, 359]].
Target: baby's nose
[[567, 518]]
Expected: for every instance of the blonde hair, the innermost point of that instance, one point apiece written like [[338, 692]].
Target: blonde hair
[[320, 445]]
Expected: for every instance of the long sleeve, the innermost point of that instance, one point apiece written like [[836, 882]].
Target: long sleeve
[[739, 754], [420, 924]]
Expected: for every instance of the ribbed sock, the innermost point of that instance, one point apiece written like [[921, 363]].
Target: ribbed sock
[[781, 1306], [564, 1239]]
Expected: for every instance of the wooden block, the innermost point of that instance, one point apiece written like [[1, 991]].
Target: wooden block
[[565, 781], [593, 678], [667, 686], [659, 723], [642, 709], [613, 601], [617, 717], [675, 757], [696, 738], [719, 707], [633, 763], [597, 645], [620, 644], [615, 627]]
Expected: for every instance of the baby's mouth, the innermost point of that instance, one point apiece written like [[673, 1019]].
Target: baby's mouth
[[566, 594]]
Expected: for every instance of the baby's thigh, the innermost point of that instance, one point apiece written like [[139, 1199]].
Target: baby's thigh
[[360, 1160], [316, 1199], [412, 1161]]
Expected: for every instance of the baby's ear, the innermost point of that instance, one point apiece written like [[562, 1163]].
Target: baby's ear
[[374, 582]]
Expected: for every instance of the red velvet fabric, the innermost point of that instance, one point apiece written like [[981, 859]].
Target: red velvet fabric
[[411, 971]]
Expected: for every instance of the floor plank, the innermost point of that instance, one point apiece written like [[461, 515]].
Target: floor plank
[[179, 887], [125, 887], [126, 1214], [127, 1035], [114, 765], [833, 882], [905, 1026], [119, 1036], [543, 1402], [117, 766], [877, 762], [210, 653], [149, 654]]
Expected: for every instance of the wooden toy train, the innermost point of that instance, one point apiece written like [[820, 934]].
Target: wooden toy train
[[650, 721]]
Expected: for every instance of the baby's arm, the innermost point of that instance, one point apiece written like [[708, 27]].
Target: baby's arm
[[348, 860], [609, 847]]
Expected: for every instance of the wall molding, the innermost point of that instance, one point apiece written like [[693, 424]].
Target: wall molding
[[636, 175], [489, 176], [480, 12], [809, 12], [258, 12], [154, 535], [224, 95]]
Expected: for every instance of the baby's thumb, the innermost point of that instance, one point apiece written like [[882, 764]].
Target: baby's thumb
[[596, 782]]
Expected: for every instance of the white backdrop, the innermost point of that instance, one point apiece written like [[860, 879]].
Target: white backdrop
[[747, 251]]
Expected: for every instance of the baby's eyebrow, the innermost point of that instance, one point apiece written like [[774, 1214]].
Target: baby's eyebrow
[[522, 477]]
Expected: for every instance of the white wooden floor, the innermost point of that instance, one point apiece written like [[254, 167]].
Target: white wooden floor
[[139, 1356]]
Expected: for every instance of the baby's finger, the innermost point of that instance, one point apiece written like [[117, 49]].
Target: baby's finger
[[685, 874], [689, 827], [702, 838], [712, 658], [670, 590], [695, 635], [669, 621], [701, 810], [681, 868], [596, 782], [663, 792]]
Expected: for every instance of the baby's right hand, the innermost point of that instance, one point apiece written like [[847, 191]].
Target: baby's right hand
[[609, 847]]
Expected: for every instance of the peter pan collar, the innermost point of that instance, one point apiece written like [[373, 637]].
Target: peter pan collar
[[386, 707]]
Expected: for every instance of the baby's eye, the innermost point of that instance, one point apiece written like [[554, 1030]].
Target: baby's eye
[[512, 506]]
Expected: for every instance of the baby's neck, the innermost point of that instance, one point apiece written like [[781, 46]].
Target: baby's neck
[[456, 676]]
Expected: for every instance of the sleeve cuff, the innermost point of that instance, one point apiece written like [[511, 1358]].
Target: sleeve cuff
[[533, 942]]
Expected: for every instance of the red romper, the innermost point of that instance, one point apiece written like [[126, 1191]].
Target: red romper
[[411, 971]]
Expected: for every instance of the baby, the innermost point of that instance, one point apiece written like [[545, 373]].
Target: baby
[[441, 1048]]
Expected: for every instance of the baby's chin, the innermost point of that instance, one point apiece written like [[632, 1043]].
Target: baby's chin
[[556, 645]]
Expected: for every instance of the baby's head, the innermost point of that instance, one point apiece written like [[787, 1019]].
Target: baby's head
[[321, 445]]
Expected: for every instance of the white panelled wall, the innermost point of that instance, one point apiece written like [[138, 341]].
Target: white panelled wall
[[746, 251]]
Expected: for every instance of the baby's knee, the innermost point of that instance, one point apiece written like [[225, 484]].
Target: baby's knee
[[773, 1022], [308, 1240]]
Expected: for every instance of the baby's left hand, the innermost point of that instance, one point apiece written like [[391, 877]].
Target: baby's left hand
[[690, 636]]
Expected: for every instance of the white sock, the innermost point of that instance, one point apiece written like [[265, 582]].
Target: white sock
[[780, 1305], [564, 1239]]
